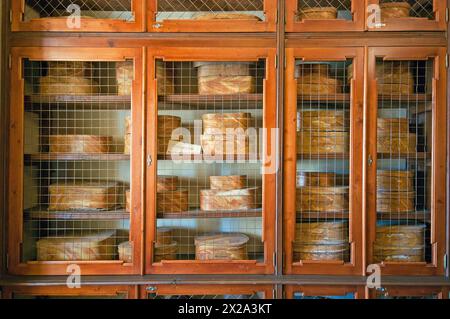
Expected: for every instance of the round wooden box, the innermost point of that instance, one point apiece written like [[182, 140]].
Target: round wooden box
[[336, 121], [314, 142], [224, 85], [322, 232], [220, 69], [322, 199], [318, 13], [226, 16], [124, 77], [221, 247], [67, 85], [167, 124], [165, 252], [399, 254], [391, 125], [126, 252], [225, 183], [400, 236], [320, 179], [396, 143], [224, 145], [164, 235], [395, 89], [397, 181], [395, 202], [172, 202], [225, 123], [81, 144], [166, 183], [164, 79], [395, 10], [316, 252], [239, 199], [318, 84]]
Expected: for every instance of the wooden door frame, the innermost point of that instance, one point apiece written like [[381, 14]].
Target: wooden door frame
[[355, 267], [16, 160], [439, 160]]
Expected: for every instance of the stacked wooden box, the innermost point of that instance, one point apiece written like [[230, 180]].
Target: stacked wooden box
[[317, 13], [165, 247], [170, 199], [316, 79], [395, 192], [394, 78], [395, 10], [68, 78], [166, 126], [228, 193], [225, 246], [393, 137]]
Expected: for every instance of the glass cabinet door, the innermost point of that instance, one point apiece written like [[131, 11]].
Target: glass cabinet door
[[323, 213], [407, 293], [211, 209], [193, 292], [406, 160], [76, 156], [63, 292]]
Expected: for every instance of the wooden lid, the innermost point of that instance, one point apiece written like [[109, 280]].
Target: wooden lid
[[219, 116], [82, 187], [228, 193], [401, 228], [222, 240]]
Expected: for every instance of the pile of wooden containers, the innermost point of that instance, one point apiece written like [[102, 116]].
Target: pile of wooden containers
[[228, 193], [165, 247], [226, 246], [393, 137], [316, 79], [169, 198], [394, 77]]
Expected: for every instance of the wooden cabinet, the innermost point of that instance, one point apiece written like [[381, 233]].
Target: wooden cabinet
[[63, 292], [207, 292], [323, 161], [75, 118], [324, 292], [411, 15], [210, 181], [399, 292], [212, 16], [78, 15], [324, 15], [406, 160]]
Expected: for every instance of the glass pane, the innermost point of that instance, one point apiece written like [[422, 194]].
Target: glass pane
[[77, 160], [404, 171], [324, 10], [299, 295], [323, 147], [209, 185], [404, 9], [210, 10], [87, 9]]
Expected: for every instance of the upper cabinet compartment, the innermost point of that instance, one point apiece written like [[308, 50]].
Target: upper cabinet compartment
[[324, 15], [212, 16], [406, 15], [78, 15]]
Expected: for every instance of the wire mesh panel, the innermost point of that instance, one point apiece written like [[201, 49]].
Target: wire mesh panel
[[324, 10], [404, 167], [301, 296], [404, 9], [86, 9], [62, 297], [323, 148], [206, 296], [209, 183], [77, 145], [405, 295]]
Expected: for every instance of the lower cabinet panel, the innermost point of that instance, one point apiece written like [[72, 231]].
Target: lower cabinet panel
[[397, 292], [324, 292]]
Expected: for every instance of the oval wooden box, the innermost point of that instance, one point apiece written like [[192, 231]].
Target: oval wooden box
[[392, 125], [222, 145], [318, 13], [322, 199], [321, 179], [223, 123], [67, 85], [388, 181], [240, 199], [224, 85], [128, 201], [165, 252], [396, 143], [221, 247], [172, 202], [167, 124], [318, 84], [225, 183], [311, 142], [395, 202], [166, 183], [332, 252], [395, 10], [165, 85], [80, 144], [164, 236], [336, 121], [89, 247], [124, 77], [79, 195], [399, 254], [226, 16], [400, 236], [222, 69], [126, 252], [335, 232]]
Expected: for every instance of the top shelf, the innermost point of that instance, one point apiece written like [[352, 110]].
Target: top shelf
[[40, 103]]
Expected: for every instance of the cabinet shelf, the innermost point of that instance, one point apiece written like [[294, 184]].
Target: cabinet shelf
[[42, 157], [409, 156], [200, 214], [331, 156], [323, 215], [424, 216], [91, 102], [346, 98], [201, 158], [205, 102], [339, 97], [42, 213]]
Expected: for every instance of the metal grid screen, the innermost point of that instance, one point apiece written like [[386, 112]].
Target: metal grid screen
[[62, 297], [413, 8], [323, 147], [385, 295], [77, 162], [210, 10], [404, 171], [301, 296], [87, 9], [324, 9], [209, 185], [254, 296]]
